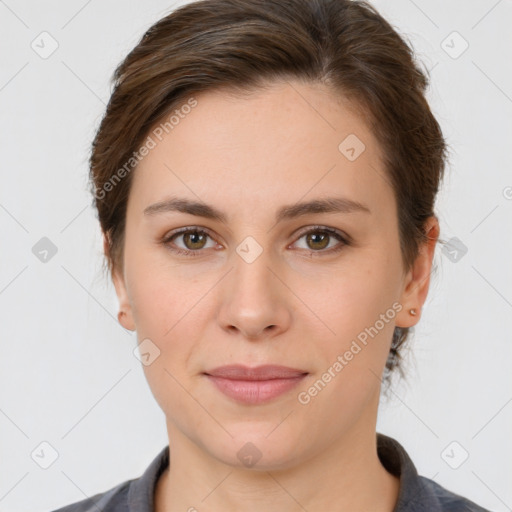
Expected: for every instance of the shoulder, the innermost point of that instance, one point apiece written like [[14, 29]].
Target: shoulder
[[135, 494], [418, 493], [113, 500], [448, 500]]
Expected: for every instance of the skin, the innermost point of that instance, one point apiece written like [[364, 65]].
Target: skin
[[296, 305]]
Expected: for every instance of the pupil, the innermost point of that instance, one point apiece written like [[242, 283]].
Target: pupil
[[321, 238], [193, 237]]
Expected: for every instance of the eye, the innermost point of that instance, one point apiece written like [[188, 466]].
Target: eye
[[194, 240], [318, 239]]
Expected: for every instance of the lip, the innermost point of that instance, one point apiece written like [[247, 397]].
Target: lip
[[264, 372], [255, 385]]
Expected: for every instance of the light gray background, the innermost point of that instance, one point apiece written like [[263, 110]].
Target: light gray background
[[67, 369]]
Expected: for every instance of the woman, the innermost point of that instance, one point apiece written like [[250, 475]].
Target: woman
[[265, 177]]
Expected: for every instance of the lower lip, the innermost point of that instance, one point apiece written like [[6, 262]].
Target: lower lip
[[255, 391]]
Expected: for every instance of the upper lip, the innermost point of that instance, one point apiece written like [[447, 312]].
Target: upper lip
[[265, 372]]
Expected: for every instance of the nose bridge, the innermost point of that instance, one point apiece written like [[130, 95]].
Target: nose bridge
[[252, 276]]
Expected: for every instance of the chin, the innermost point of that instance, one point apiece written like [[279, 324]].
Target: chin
[[255, 449]]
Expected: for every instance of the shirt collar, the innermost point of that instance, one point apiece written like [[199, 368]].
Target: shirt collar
[[414, 492], [142, 490]]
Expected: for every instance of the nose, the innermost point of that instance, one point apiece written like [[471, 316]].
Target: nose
[[255, 302]]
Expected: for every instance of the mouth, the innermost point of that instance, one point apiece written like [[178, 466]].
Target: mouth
[[255, 385]]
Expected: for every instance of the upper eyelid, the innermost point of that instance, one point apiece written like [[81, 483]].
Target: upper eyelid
[[301, 232]]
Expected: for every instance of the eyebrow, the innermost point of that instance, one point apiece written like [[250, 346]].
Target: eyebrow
[[200, 209]]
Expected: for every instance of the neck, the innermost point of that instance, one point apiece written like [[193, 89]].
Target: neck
[[348, 476]]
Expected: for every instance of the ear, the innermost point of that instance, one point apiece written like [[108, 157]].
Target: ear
[[417, 281], [125, 315]]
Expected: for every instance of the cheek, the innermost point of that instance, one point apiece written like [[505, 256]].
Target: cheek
[[161, 293], [357, 309], [356, 297], [166, 312], [170, 305]]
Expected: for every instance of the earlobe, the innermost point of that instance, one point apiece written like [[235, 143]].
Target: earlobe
[[125, 320], [125, 316], [417, 282]]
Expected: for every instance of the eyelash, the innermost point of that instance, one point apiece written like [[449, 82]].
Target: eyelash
[[345, 241]]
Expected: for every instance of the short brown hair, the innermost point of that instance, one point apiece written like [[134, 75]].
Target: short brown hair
[[243, 44]]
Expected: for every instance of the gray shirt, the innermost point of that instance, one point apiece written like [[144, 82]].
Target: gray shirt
[[416, 494]]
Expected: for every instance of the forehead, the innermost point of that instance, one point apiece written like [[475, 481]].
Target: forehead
[[288, 140]]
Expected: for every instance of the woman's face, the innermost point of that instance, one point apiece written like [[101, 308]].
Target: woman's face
[[255, 288]]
